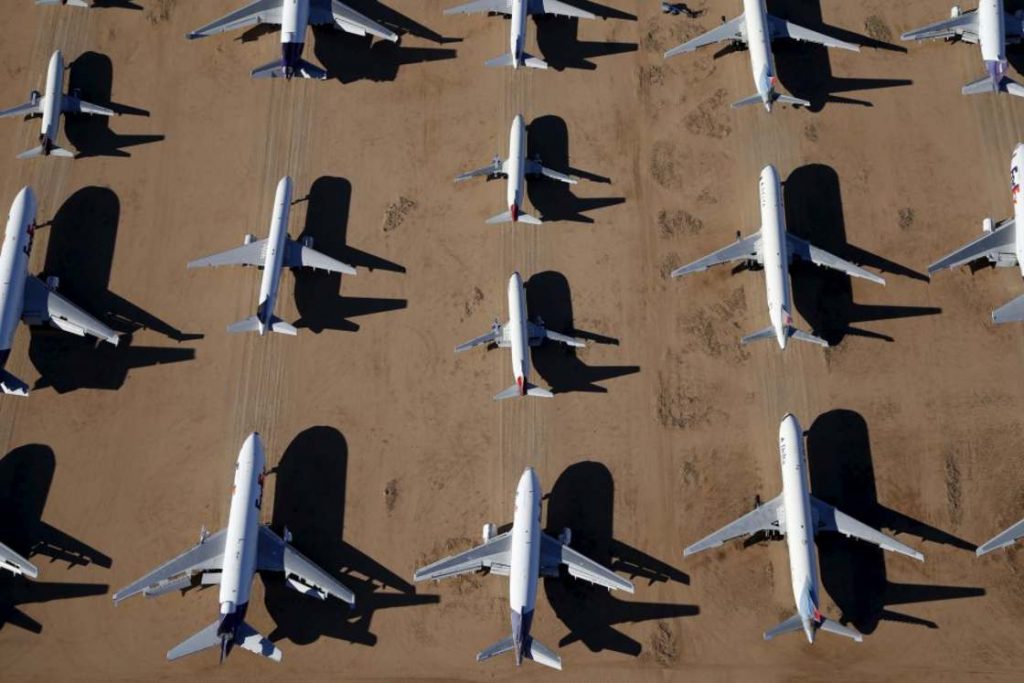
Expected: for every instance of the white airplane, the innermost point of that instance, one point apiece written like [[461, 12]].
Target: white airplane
[[50, 105], [774, 249], [524, 554], [230, 558], [518, 11], [294, 16], [16, 564], [990, 26], [29, 299], [756, 29], [519, 334], [1001, 245], [271, 255], [73, 3], [516, 167], [798, 515], [1002, 539]]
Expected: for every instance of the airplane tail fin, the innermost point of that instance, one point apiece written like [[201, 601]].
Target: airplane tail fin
[[983, 84], [506, 217], [531, 390], [11, 385], [534, 650], [277, 69], [40, 151], [245, 637]]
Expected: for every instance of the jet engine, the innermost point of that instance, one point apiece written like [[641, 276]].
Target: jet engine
[[489, 532]]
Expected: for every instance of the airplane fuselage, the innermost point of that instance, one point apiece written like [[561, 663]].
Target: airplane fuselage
[[517, 32], [294, 20], [799, 521], [14, 257], [53, 102], [518, 334], [1016, 168], [992, 37], [524, 563], [759, 43], [516, 166], [271, 279], [775, 254]]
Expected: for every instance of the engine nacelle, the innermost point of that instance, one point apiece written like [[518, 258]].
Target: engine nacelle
[[249, 238], [34, 96], [955, 12], [52, 283], [986, 226], [489, 532], [306, 590], [565, 538], [307, 241]]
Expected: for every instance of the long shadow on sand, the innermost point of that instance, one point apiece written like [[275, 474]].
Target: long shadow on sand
[[309, 501], [548, 139], [92, 77], [26, 474], [558, 39], [582, 500], [350, 58], [80, 251], [317, 297], [548, 298], [814, 212], [853, 572]]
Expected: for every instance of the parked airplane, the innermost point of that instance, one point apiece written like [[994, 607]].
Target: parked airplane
[[294, 16], [798, 515], [518, 10], [50, 106], [1002, 539], [271, 255], [774, 248], [524, 554], [30, 299], [230, 558], [73, 3], [15, 563], [520, 334], [1002, 245], [516, 167], [756, 29], [990, 26]]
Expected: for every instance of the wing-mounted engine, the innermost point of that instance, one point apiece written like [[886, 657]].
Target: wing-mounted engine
[[33, 97], [565, 538], [489, 532]]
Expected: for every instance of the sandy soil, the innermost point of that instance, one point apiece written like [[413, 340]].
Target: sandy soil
[[387, 448]]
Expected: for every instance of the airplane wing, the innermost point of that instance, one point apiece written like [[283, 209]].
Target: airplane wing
[[559, 8], [205, 556], [15, 563], [766, 517], [748, 248], [497, 167], [495, 336], [349, 20], [999, 241], [535, 331], [43, 304], [819, 257], [25, 109], [780, 28], [1002, 539], [831, 519], [495, 555], [258, 12], [73, 105], [274, 554], [297, 255], [964, 25], [536, 168], [554, 553], [500, 6], [730, 30], [252, 254]]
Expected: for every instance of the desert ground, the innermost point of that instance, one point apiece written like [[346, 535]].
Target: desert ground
[[386, 450]]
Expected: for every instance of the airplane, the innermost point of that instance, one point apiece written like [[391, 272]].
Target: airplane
[[28, 298], [16, 564], [774, 248], [294, 16], [231, 558], [990, 26], [73, 3], [518, 10], [1002, 539], [1002, 245], [271, 255], [756, 29], [524, 554], [798, 515], [519, 334], [516, 167], [50, 105]]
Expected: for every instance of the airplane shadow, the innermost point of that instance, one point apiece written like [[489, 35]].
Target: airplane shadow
[[548, 297], [309, 500], [398, 22], [115, 4], [853, 572], [561, 48], [92, 75], [824, 297], [582, 500], [805, 69], [26, 474], [80, 252], [350, 58], [548, 138], [317, 297]]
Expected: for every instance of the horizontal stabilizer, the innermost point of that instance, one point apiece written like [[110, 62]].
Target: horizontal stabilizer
[[838, 629], [203, 640], [531, 390], [984, 84], [537, 392], [250, 639], [507, 59], [499, 648], [534, 62], [281, 327], [506, 217], [794, 623], [800, 335], [40, 151], [789, 99], [541, 654], [277, 69], [251, 324], [1012, 87], [766, 333], [11, 385], [747, 101], [73, 3]]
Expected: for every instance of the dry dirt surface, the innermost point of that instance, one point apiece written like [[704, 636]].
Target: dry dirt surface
[[385, 447]]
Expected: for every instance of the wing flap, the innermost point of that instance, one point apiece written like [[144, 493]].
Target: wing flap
[[831, 519], [258, 12], [554, 553], [297, 255], [748, 248], [73, 105], [730, 30], [819, 257], [349, 20], [965, 24], [43, 304], [273, 554], [780, 28], [999, 241], [495, 554], [766, 517], [204, 556]]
